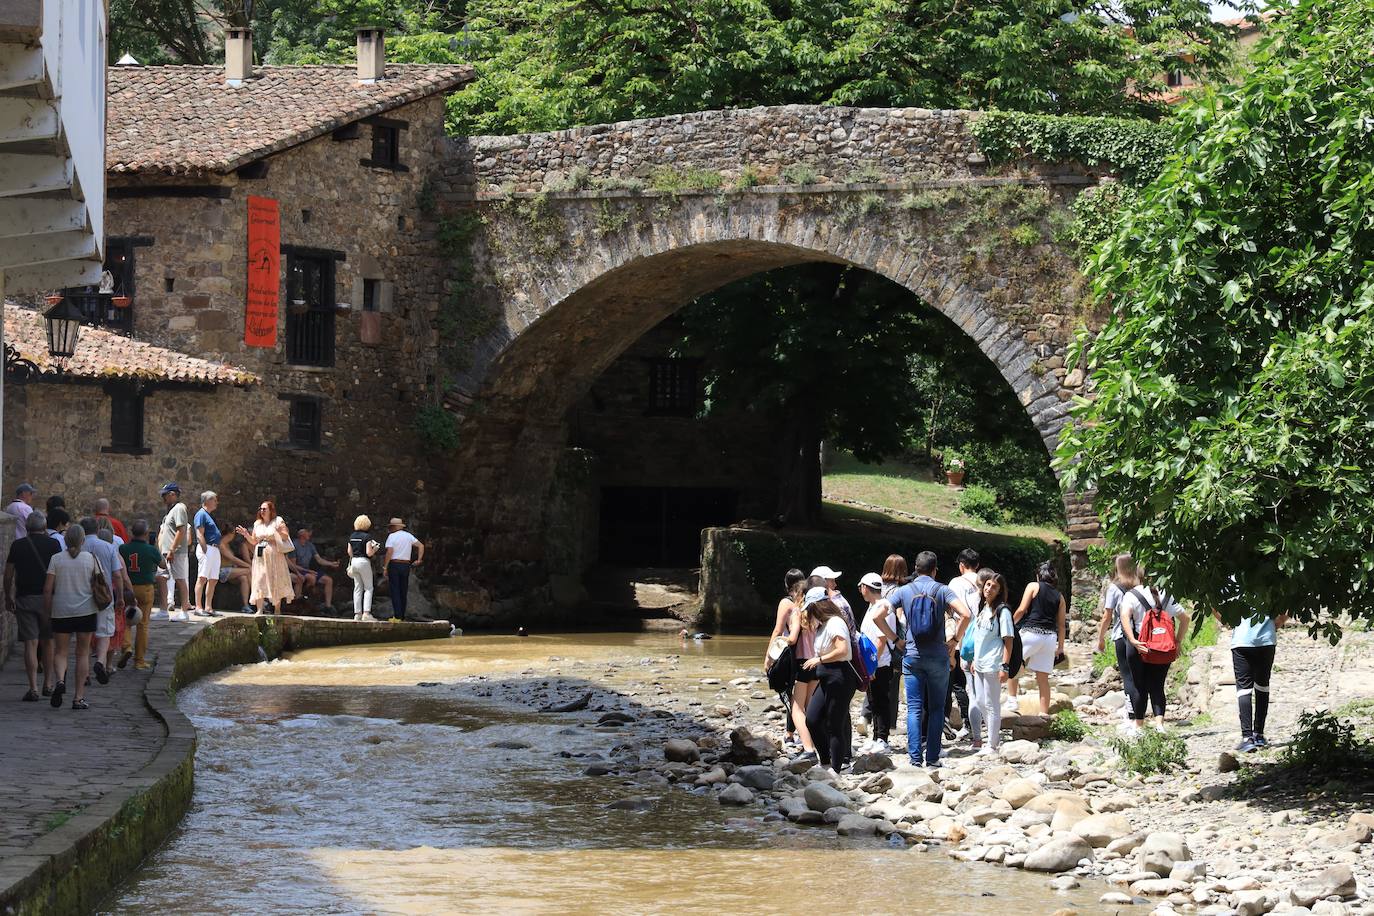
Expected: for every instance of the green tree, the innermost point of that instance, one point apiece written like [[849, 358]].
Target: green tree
[[1229, 441]]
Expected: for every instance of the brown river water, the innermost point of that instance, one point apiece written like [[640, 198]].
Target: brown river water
[[368, 780]]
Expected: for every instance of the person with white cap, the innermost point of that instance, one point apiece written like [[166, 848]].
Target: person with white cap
[[880, 626], [403, 553], [829, 579], [21, 507], [827, 714]]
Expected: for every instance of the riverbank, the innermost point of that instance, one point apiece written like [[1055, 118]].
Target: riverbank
[[1213, 835], [87, 795]]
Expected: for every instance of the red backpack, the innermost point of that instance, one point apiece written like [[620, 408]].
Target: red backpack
[[1156, 631]]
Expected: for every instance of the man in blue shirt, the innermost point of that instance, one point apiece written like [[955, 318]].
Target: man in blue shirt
[[1253, 644], [926, 604], [207, 538]]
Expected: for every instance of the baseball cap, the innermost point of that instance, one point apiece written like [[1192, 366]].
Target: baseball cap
[[172, 487], [25, 488], [825, 572], [813, 595], [873, 581]]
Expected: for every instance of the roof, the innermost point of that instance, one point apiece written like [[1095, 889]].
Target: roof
[[185, 120], [102, 354]]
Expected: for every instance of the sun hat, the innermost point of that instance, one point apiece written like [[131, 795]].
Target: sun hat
[[396, 523], [825, 572]]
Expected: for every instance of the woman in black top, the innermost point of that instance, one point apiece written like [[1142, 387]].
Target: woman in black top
[[361, 547], [1040, 622]]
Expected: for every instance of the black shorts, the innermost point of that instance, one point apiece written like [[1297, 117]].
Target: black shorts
[[84, 624], [807, 675]]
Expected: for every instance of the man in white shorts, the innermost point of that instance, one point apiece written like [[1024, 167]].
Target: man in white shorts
[[207, 537], [174, 540]]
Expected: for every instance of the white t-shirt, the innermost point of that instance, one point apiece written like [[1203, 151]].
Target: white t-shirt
[[870, 629], [400, 543], [71, 594], [835, 628], [1137, 610], [967, 592], [1111, 600]]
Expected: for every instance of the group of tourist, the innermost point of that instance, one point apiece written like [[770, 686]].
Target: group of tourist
[[95, 585], [956, 644]]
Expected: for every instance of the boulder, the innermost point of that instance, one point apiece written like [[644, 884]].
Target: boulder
[[1336, 881], [1359, 818], [1029, 817], [820, 797], [756, 776], [1049, 801], [1353, 835], [1068, 814], [1126, 845], [746, 748], [856, 825], [871, 763], [1018, 792], [711, 777], [1059, 855], [1160, 851], [680, 750], [836, 814], [1027, 728], [1227, 762], [1188, 871], [1101, 829], [1159, 887], [1254, 903], [735, 794], [1021, 751], [793, 807], [1111, 700]]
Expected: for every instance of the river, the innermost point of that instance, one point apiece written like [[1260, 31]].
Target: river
[[421, 778]]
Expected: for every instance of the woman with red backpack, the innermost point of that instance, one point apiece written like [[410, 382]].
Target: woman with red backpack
[[1154, 625]]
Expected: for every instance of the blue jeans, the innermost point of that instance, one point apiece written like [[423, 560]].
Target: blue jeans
[[398, 582], [927, 686]]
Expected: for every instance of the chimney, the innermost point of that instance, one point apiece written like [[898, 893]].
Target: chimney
[[371, 55], [238, 56]]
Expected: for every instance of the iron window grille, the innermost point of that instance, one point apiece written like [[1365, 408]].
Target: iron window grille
[[310, 319], [674, 388], [303, 430]]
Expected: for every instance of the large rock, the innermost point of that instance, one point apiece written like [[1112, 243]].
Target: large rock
[[871, 763], [1021, 751], [1049, 801], [792, 808], [856, 825], [1354, 835], [735, 794], [1059, 855], [821, 797], [747, 748], [1160, 851], [680, 750], [1254, 903], [1101, 829], [1068, 814], [1338, 880], [1018, 792], [757, 776]]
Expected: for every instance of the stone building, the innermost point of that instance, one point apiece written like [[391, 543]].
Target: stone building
[[341, 360]]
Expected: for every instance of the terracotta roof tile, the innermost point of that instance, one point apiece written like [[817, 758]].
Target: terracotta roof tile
[[186, 119], [102, 354]]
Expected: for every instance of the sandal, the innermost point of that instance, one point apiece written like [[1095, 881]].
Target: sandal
[[57, 692], [30, 697], [80, 704], [101, 674]]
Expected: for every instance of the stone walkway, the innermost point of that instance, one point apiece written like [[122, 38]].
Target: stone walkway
[[57, 762]]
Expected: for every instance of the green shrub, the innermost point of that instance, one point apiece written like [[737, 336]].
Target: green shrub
[[1134, 149], [1067, 726], [1019, 474], [437, 429], [749, 177], [800, 173], [667, 178], [1151, 752], [1026, 235], [1326, 744], [1102, 661], [980, 503]]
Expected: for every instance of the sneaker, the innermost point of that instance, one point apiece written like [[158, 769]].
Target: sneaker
[[143, 666], [879, 746], [159, 614], [30, 697], [789, 743], [368, 618], [1247, 746], [80, 704], [56, 700], [807, 755], [1261, 741], [101, 674], [248, 609]]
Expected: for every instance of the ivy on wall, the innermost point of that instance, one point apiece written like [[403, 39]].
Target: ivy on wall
[[1134, 149]]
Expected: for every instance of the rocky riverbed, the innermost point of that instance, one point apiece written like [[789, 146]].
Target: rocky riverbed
[[1210, 837]]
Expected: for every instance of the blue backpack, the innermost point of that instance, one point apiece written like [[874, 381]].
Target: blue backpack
[[868, 654], [922, 620]]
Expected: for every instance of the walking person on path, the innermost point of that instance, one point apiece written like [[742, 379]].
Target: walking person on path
[[827, 714], [174, 540], [142, 560], [1126, 576], [208, 559], [69, 604], [271, 541], [965, 585], [926, 605], [361, 549], [880, 626], [21, 507], [785, 625], [26, 572], [1148, 670], [994, 631], [403, 553], [112, 567], [1253, 644], [1042, 622]]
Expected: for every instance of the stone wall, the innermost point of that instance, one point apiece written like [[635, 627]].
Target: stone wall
[[190, 267], [838, 144]]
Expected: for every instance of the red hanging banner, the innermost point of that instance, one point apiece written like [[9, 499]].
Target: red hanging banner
[[264, 273]]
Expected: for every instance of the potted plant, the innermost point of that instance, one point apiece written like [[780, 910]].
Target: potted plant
[[121, 302], [53, 299], [954, 468]]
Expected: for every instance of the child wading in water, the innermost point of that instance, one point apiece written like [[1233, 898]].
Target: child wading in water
[[993, 632]]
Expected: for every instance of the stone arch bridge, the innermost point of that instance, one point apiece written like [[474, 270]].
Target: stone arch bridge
[[568, 246]]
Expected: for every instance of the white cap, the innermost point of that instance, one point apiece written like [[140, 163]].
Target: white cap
[[814, 595], [825, 572], [873, 581]]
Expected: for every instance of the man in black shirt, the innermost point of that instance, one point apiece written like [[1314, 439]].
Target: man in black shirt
[[26, 572]]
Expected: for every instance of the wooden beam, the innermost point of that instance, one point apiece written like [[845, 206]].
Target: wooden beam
[[55, 275], [26, 120], [24, 250], [31, 215], [21, 175]]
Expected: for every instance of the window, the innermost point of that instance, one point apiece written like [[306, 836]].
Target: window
[[310, 300], [1174, 79], [303, 430], [386, 145], [126, 422], [110, 304], [673, 387], [372, 295]]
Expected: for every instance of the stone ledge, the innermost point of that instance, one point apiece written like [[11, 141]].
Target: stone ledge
[[71, 868]]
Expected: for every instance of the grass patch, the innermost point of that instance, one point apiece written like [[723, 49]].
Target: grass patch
[[1068, 726], [1152, 752], [667, 178], [1102, 661], [1203, 635], [58, 819], [893, 485]]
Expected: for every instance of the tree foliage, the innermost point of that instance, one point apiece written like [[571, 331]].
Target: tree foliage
[[1229, 441]]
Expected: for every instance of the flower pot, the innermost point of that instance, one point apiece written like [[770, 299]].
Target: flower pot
[[955, 478], [121, 302], [52, 300]]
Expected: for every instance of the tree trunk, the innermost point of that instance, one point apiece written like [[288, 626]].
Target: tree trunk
[[799, 466]]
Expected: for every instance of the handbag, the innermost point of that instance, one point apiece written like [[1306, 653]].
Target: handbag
[[100, 587]]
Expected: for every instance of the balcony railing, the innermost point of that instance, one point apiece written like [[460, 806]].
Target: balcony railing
[[310, 337], [100, 310]]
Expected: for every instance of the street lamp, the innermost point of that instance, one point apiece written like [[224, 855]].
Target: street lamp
[[64, 327]]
